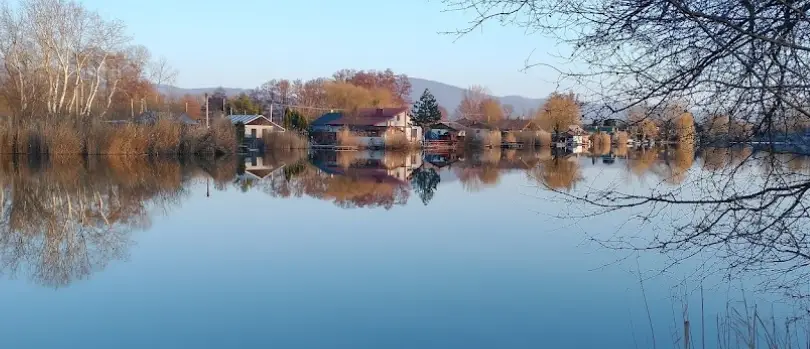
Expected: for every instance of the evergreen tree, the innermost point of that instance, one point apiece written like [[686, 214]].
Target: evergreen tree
[[426, 111]]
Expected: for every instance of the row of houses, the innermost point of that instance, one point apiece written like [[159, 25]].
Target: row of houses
[[373, 127], [256, 126]]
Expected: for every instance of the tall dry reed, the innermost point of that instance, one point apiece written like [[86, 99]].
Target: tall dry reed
[[347, 138], [397, 140], [285, 141]]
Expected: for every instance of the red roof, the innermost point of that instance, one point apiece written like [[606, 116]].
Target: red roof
[[362, 117]]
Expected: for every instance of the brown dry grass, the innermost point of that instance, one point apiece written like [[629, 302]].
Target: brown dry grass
[[62, 139], [600, 143], [622, 138], [164, 138], [510, 138], [397, 140], [285, 141], [347, 138], [130, 140], [485, 138]]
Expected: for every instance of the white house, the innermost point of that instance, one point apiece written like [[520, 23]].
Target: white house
[[256, 125]]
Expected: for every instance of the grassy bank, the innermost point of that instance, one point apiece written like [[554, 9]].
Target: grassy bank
[[162, 138]]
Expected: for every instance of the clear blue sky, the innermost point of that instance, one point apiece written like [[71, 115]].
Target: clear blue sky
[[242, 43]]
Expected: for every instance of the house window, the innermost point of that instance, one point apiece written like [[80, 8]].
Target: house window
[[397, 117]]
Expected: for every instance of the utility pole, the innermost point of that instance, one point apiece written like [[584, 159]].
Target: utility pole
[[186, 107], [271, 111], [132, 108], [207, 125]]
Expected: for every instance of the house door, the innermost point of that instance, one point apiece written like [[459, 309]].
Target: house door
[[253, 133]]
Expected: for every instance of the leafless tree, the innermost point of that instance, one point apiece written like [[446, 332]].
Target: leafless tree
[[60, 58], [747, 61]]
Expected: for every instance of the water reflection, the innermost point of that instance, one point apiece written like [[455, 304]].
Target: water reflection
[[66, 218], [63, 219]]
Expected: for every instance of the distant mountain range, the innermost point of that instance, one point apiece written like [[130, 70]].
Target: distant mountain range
[[448, 96]]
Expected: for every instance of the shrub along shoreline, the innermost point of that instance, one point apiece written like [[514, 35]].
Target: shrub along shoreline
[[161, 138]]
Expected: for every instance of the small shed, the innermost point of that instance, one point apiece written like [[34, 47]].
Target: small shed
[[575, 135], [256, 125], [446, 131]]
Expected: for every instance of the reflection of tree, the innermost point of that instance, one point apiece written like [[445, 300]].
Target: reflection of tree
[[425, 182], [640, 162], [558, 173], [748, 209], [65, 220]]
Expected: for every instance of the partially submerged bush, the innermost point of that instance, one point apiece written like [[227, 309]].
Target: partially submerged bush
[[534, 138], [622, 137], [600, 142]]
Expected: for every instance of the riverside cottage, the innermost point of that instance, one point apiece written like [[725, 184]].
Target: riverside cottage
[[371, 127], [256, 126]]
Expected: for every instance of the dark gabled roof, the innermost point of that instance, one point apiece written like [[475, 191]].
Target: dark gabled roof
[[474, 124], [246, 119], [450, 125], [362, 117]]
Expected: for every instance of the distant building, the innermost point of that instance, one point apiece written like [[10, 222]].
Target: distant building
[[575, 136], [609, 126], [446, 131], [370, 125], [151, 117]]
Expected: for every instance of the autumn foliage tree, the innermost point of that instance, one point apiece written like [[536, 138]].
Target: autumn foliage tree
[[560, 111], [243, 104], [641, 125], [348, 97], [398, 86]]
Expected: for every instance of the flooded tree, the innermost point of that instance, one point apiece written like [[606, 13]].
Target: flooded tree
[[559, 112]]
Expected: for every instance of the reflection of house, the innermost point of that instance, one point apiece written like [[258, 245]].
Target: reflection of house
[[258, 168], [371, 126], [256, 126], [373, 164]]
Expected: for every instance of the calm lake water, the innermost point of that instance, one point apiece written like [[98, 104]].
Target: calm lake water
[[366, 250]]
